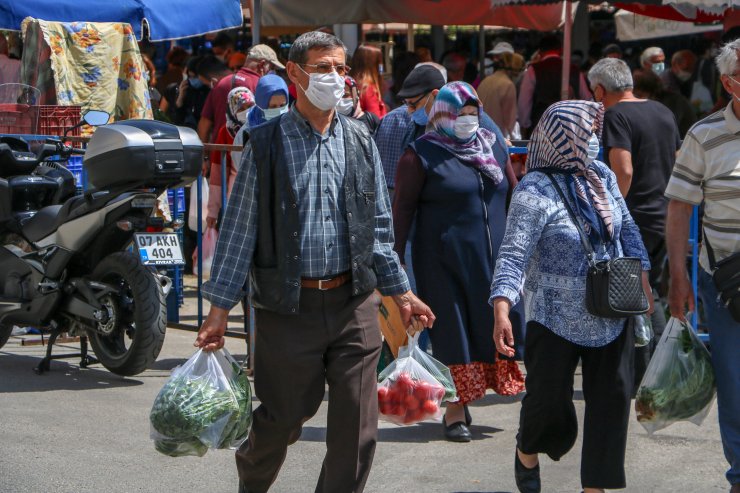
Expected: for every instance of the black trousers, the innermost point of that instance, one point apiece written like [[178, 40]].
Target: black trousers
[[336, 341], [548, 422]]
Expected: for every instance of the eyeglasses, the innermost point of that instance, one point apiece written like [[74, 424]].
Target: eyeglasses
[[327, 68], [412, 104]]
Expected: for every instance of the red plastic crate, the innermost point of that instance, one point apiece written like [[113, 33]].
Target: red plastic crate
[[18, 118], [54, 120]]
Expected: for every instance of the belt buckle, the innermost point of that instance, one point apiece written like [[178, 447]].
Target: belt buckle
[[321, 284]]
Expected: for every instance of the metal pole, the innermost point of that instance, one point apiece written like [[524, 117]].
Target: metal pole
[[256, 14], [481, 51], [567, 38], [410, 38], [224, 183], [199, 197]]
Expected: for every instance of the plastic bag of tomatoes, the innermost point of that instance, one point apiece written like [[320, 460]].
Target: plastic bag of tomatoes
[[407, 392]]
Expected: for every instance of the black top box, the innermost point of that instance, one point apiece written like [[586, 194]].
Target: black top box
[[143, 154]]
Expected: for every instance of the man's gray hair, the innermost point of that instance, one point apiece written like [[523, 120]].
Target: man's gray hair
[[314, 40], [612, 73], [650, 53], [728, 60]]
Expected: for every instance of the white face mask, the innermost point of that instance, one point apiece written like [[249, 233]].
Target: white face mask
[[736, 82], [345, 106], [324, 90], [271, 113], [593, 148], [658, 68], [466, 126], [242, 116]]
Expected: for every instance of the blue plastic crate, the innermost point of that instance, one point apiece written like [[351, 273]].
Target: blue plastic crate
[[180, 194], [74, 164]]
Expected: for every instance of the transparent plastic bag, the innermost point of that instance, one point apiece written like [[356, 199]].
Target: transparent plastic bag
[[210, 239], [407, 392], [206, 403], [679, 382], [643, 330], [439, 371]]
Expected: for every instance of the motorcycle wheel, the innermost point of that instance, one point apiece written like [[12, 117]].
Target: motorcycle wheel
[[5, 331], [133, 336]]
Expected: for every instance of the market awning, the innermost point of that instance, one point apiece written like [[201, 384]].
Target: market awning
[[165, 19], [634, 27], [439, 12]]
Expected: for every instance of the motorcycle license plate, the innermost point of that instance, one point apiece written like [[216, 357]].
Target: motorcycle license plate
[[159, 248]]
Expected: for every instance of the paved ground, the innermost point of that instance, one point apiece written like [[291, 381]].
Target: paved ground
[[86, 430]]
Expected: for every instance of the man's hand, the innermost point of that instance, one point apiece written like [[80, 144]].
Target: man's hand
[[181, 93], [503, 334], [648, 291], [414, 313], [211, 334], [680, 295], [211, 222]]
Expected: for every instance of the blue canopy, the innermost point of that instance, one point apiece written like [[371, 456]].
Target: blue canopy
[[167, 19]]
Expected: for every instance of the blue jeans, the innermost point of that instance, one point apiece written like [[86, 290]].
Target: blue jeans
[[724, 334]]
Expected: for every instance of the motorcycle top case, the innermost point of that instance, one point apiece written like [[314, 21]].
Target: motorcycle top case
[[143, 154]]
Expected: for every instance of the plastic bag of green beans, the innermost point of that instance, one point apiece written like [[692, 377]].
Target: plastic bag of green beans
[[206, 403]]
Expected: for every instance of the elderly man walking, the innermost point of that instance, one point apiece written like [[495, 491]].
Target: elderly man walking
[[708, 169], [309, 219], [640, 140]]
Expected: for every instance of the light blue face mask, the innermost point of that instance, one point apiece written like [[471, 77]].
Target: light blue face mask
[[195, 82], [271, 113], [593, 148], [658, 68], [420, 117]]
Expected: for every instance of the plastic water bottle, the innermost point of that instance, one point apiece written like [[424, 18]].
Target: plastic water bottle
[[643, 330]]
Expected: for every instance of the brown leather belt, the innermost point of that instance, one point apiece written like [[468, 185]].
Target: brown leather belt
[[326, 284]]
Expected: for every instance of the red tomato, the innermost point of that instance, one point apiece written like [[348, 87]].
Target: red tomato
[[384, 408], [394, 396], [404, 383], [383, 394], [424, 390], [412, 403], [398, 410], [440, 393], [430, 407]]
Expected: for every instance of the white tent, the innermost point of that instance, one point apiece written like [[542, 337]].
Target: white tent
[[634, 27]]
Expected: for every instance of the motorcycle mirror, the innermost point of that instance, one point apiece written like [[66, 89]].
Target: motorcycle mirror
[[96, 118]]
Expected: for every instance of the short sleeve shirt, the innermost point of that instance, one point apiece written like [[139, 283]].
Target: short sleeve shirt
[[708, 169], [648, 130]]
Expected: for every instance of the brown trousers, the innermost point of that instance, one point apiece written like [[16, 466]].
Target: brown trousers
[[335, 340]]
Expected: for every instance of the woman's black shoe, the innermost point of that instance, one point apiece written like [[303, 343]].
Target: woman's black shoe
[[456, 432], [468, 417], [527, 480]]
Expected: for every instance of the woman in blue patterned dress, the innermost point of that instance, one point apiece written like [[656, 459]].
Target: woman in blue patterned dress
[[543, 257]]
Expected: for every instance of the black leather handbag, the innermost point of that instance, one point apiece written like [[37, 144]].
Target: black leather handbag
[[613, 287], [726, 277]]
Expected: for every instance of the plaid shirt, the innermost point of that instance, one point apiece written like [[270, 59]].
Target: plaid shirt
[[316, 168], [395, 133]]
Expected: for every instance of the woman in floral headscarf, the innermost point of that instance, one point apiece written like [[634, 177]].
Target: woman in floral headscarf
[[239, 100], [543, 246], [454, 181]]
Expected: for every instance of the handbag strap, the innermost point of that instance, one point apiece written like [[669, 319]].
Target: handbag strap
[[584, 239], [710, 251]]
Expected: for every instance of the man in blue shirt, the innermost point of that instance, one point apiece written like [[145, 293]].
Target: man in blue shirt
[[309, 220]]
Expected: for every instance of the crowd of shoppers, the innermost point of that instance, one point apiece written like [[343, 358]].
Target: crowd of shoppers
[[348, 183]]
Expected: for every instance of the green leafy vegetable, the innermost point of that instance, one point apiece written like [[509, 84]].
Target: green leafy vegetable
[[193, 413], [681, 386]]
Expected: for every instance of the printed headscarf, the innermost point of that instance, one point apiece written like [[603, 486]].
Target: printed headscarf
[[560, 143], [237, 97], [476, 153], [267, 87]]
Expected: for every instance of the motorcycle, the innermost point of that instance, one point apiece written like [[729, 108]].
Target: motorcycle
[[85, 264]]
